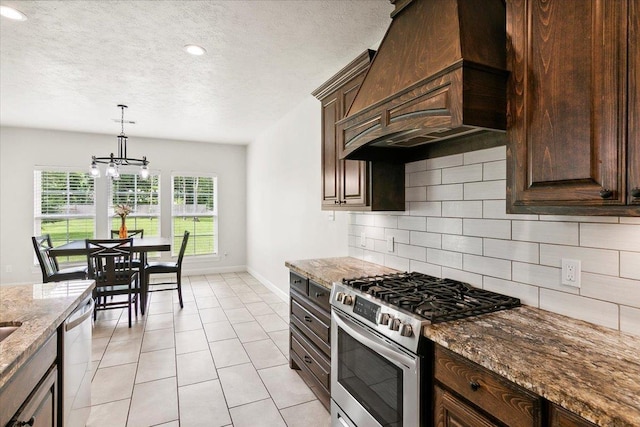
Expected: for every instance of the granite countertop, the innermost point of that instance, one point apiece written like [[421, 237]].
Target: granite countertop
[[325, 271], [41, 308], [590, 370]]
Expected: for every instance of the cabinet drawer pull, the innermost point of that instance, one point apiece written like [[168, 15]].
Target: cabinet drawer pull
[[26, 423], [307, 359], [474, 385], [635, 192], [319, 294], [605, 193], [308, 319], [297, 281]]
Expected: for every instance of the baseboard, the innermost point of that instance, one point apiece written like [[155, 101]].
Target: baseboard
[[284, 296], [193, 270]]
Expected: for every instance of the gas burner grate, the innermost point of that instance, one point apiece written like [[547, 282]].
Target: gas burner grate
[[437, 300]]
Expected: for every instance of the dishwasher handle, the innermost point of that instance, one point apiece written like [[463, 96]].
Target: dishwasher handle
[[87, 310]]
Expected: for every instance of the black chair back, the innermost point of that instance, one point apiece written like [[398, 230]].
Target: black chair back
[[130, 233], [183, 248], [48, 264], [109, 261]]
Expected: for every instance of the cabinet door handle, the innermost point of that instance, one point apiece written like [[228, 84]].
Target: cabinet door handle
[[297, 281], [605, 193], [308, 319], [319, 294], [337, 202], [25, 423], [635, 192], [474, 385], [307, 359]]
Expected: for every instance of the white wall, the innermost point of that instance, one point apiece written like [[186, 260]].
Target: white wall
[[455, 226], [23, 149], [284, 220]]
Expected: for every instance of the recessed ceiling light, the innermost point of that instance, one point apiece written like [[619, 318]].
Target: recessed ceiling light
[[11, 13], [194, 49]]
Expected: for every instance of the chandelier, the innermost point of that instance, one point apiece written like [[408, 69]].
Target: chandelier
[[114, 162]]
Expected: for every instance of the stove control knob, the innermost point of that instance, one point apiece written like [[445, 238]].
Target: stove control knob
[[406, 330], [382, 318], [394, 324], [340, 296], [347, 300]]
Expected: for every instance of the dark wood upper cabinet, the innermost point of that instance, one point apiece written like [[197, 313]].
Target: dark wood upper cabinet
[[573, 107], [353, 184]]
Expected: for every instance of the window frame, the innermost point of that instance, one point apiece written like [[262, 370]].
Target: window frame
[[175, 248]]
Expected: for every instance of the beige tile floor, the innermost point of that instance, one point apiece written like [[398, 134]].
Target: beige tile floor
[[222, 360]]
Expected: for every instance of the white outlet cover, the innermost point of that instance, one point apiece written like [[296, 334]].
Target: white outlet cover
[[571, 272], [363, 239], [390, 244]]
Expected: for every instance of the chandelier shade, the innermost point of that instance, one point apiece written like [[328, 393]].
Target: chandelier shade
[[115, 162]]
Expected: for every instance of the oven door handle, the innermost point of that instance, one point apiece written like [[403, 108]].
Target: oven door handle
[[372, 341]]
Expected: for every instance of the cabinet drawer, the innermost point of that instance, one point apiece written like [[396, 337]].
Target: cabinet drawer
[[313, 360], [493, 394], [560, 417], [299, 283], [310, 321], [319, 295], [451, 411]]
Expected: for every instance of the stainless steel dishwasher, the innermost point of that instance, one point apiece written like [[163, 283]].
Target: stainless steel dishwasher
[[76, 372]]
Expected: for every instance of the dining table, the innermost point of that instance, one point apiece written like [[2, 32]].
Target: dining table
[[142, 246]]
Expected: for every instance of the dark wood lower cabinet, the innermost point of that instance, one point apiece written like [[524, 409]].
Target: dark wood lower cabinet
[[41, 408], [309, 335], [451, 411], [560, 417]]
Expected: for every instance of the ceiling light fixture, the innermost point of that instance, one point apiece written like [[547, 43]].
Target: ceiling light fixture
[[113, 163], [11, 13], [194, 49]]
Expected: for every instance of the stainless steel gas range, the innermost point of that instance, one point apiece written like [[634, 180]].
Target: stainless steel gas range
[[379, 359]]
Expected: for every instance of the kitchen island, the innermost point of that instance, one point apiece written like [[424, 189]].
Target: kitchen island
[[37, 310], [589, 370]]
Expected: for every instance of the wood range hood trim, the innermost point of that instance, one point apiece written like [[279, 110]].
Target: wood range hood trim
[[439, 76]]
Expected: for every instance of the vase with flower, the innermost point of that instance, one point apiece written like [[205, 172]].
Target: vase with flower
[[122, 211]]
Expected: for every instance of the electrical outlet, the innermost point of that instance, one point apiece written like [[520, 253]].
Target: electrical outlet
[[571, 272], [390, 244], [363, 239]]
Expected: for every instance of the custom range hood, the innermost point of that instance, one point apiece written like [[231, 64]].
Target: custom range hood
[[439, 75]]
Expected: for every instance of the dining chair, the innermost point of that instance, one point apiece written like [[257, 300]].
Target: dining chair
[[109, 264], [51, 271], [168, 268]]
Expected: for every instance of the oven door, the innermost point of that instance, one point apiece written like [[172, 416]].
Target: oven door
[[374, 382]]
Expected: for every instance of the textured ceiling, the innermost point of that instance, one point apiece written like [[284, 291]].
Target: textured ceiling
[[72, 62]]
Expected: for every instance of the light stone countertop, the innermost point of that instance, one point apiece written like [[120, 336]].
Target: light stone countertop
[[590, 370], [41, 308]]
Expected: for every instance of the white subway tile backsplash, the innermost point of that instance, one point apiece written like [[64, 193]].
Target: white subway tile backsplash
[[426, 268], [460, 209], [509, 249], [587, 309], [461, 174], [430, 177], [527, 294], [464, 276], [487, 266], [469, 245], [445, 162], [494, 170], [630, 320], [486, 155], [425, 208], [630, 265], [444, 258], [444, 192], [415, 194], [386, 221], [497, 209], [496, 228], [601, 261], [418, 223], [444, 225], [398, 263], [485, 190], [455, 225], [412, 252], [427, 240], [614, 289], [420, 165], [562, 233], [541, 276], [399, 236], [624, 237]]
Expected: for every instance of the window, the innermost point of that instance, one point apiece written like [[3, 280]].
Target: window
[[143, 195], [64, 206], [195, 209]]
